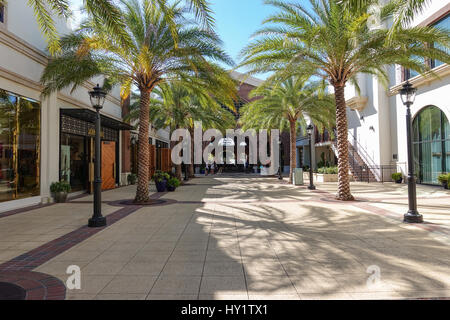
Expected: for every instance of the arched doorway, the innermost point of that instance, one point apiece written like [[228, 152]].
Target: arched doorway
[[431, 139]]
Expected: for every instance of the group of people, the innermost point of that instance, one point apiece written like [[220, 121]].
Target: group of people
[[212, 168]]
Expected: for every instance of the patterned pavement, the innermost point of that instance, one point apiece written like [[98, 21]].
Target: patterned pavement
[[236, 238]]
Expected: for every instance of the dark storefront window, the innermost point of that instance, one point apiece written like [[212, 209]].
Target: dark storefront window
[[2, 13], [77, 151], [74, 161], [19, 147], [431, 135]]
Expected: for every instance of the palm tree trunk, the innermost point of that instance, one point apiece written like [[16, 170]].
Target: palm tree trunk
[[191, 166], [178, 172], [344, 193], [142, 192], [293, 152]]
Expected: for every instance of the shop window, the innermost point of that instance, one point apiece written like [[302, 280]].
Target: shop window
[[2, 14], [19, 147], [431, 136], [443, 24]]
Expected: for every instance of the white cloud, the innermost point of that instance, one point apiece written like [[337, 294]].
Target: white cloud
[[77, 14]]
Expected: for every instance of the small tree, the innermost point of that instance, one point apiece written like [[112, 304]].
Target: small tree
[[285, 105]]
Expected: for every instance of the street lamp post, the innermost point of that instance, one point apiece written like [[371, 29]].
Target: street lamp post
[[280, 170], [185, 172], [97, 100], [408, 95], [310, 130]]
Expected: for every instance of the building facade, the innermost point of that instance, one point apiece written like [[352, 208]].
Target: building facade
[[377, 116], [47, 139]]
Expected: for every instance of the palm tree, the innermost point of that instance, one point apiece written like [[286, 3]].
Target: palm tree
[[179, 106], [106, 13], [152, 57], [335, 43], [285, 105], [402, 12]]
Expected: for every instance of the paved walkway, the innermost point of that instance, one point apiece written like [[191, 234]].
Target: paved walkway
[[239, 238]]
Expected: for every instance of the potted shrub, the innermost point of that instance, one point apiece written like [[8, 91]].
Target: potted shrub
[[326, 174], [60, 190], [132, 178], [172, 184], [444, 180], [160, 179], [397, 177]]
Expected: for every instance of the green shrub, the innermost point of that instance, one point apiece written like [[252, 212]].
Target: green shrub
[[173, 182], [132, 178], [397, 176], [444, 177], [61, 186], [328, 170], [160, 176]]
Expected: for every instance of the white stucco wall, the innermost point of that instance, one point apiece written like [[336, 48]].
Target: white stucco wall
[[22, 59], [382, 132], [435, 94]]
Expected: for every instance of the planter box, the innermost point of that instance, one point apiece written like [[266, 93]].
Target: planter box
[[320, 177]]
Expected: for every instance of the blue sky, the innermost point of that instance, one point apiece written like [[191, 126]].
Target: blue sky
[[236, 21]]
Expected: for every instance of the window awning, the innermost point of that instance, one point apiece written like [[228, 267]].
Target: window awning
[[90, 115]]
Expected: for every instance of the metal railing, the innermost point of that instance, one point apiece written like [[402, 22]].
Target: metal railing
[[386, 172]]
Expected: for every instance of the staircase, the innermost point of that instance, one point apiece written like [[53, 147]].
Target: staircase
[[360, 170]]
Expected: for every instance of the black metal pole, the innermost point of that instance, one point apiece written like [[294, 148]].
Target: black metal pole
[[97, 219], [412, 216], [311, 174], [185, 172], [280, 170]]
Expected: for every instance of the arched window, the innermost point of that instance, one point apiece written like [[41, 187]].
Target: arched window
[[431, 138]]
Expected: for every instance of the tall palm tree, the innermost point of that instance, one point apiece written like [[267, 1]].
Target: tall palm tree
[[335, 43], [285, 105], [107, 13], [179, 106], [152, 57]]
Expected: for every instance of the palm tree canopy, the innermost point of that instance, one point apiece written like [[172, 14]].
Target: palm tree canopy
[[176, 105], [335, 43], [289, 101], [106, 13], [402, 11], [153, 55]]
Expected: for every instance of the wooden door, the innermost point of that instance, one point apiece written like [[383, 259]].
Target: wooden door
[[152, 155], [108, 165], [166, 161]]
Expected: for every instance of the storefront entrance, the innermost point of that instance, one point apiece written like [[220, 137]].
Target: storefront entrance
[[431, 138], [108, 165], [77, 152]]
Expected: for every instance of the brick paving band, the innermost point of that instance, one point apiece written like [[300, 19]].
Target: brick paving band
[[18, 270], [39, 286]]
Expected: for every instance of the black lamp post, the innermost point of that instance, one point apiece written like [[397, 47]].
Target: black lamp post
[[280, 170], [310, 130], [97, 100], [408, 95], [185, 172]]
